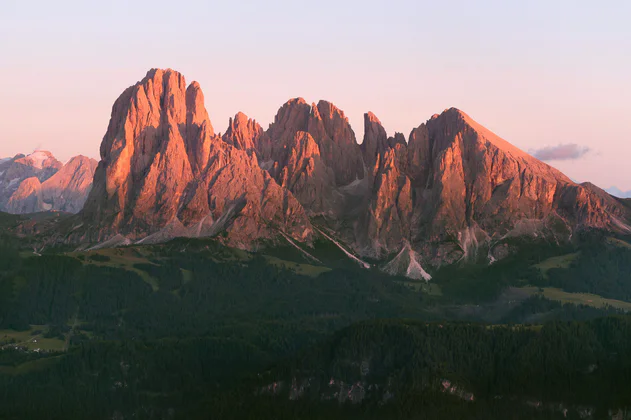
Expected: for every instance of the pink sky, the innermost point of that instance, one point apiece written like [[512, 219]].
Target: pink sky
[[536, 74]]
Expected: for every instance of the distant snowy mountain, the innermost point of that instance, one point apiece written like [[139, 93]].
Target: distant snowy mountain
[[39, 182], [615, 191]]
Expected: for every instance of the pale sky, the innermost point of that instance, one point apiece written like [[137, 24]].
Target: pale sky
[[540, 74]]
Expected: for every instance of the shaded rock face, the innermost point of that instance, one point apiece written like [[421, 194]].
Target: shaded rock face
[[39, 182], [163, 166]]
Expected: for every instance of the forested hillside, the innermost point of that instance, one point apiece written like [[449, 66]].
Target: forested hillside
[[193, 329]]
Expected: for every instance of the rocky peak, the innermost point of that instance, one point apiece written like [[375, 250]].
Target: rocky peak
[[332, 132], [199, 130], [243, 133], [480, 181], [162, 167], [445, 128], [292, 116], [335, 123], [39, 159], [398, 139], [375, 140]]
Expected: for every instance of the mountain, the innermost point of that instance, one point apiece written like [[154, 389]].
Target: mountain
[[165, 173], [451, 191], [617, 192], [39, 182], [459, 186]]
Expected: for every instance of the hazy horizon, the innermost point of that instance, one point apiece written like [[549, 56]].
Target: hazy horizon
[[550, 78]]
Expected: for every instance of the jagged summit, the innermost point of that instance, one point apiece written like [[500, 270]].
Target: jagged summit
[[243, 133]]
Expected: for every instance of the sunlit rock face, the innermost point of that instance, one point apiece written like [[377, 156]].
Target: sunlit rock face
[[161, 163]]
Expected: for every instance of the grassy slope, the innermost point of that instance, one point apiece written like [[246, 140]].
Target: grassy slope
[[121, 258], [562, 261], [31, 340], [588, 299]]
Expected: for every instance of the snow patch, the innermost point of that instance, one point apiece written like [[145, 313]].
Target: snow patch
[[468, 242], [351, 256], [38, 158], [173, 229], [311, 257], [13, 182], [267, 165], [527, 227], [407, 260], [202, 225], [619, 223], [358, 186], [176, 229], [118, 240]]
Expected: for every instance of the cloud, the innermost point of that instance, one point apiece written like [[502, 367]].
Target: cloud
[[569, 151]]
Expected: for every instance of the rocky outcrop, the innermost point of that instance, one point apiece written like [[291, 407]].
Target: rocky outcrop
[[162, 167], [39, 182]]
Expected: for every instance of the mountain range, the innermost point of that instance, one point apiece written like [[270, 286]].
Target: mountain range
[[39, 182], [452, 190]]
